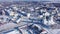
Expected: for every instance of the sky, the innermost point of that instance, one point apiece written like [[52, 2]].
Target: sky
[[33, 0], [29, 0]]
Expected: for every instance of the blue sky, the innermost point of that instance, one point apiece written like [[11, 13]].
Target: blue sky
[[28, 0], [32, 0]]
